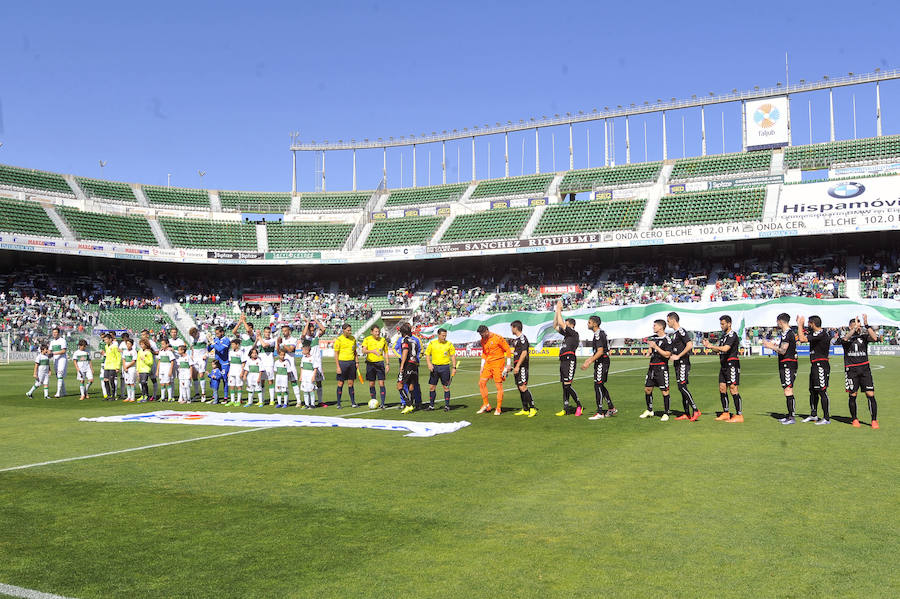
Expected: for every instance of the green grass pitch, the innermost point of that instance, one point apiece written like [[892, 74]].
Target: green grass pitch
[[507, 507]]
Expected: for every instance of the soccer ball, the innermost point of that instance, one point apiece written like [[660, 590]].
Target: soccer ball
[[373, 403]]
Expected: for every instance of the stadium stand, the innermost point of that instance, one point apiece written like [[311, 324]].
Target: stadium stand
[[213, 234], [504, 223], [822, 275], [27, 178], [26, 217], [177, 196], [427, 195], [339, 200], [410, 230], [879, 275], [513, 186], [577, 217], [305, 236], [251, 201], [721, 206], [591, 178], [107, 227], [136, 319], [107, 190], [723, 164], [820, 156]]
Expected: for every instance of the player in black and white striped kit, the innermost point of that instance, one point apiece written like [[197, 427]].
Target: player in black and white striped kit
[[729, 370], [819, 367], [600, 360], [658, 371], [520, 369], [682, 346]]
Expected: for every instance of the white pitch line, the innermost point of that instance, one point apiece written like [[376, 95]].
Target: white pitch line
[[118, 451], [13, 591]]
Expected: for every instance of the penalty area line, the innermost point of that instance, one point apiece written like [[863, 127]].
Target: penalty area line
[[14, 591], [130, 449]]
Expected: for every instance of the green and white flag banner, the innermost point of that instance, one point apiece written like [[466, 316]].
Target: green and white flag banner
[[637, 321]]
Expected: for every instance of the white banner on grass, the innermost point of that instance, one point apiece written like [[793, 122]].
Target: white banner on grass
[[413, 428]]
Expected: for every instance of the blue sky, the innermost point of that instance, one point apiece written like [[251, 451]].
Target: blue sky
[[177, 87]]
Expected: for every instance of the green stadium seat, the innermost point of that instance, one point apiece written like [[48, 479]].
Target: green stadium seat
[[410, 230], [26, 217], [106, 190], [304, 236], [27, 178], [610, 176], [107, 227], [251, 201], [427, 195], [337, 200], [135, 319], [580, 217], [528, 185], [720, 206], [177, 196], [213, 234], [722, 164], [821, 156], [504, 223]]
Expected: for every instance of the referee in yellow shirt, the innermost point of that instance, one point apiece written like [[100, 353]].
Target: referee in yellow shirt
[[438, 355], [346, 362], [376, 349]]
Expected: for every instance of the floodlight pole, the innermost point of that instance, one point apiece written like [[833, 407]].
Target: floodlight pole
[[473, 158], [702, 131], [537, 152], [571, 150], [831, 112], [877, 109], [506, 153], [414, 165], [384, 165], [665, 142], [444, 162], [605, 143], [627, 142], [354, 169], [294, 171], [323, 170], [743, 125]]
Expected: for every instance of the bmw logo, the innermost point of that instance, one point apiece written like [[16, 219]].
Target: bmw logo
[[846, 190]]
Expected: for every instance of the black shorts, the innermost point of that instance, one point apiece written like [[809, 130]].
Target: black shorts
[[347, 370], [819, 375], [522, 377], [601, 370], [110, 375], [682, 370], [375, 371], [859, 377], [567, 369], [730, 373], [440, 373], [409, 375], [787, 373], [143, 377], [658, 376]]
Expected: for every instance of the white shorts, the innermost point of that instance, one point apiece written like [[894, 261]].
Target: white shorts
[[84, 375], [199, 364], [234, 380], [43, 376], [165, 378], [62, 366], [253, 381], [308, 386], [267, 372], [281, 383], [130, 376]]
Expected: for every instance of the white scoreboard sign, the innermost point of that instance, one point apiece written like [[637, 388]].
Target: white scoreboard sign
[[767, 123]]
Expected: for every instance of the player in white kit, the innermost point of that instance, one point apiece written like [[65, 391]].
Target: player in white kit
[[41, 372], [184, 367], [289, 343], [60, 361], [129, 369], [165, 369], [251, 376], [282, 377], [266, 345], [83, 371], [236, 361], [199, 352]]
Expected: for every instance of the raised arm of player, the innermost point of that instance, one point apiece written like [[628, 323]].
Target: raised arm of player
[[873, 334], [558, 323]]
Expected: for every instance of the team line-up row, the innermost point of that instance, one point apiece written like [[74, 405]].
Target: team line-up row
[[261, 361]]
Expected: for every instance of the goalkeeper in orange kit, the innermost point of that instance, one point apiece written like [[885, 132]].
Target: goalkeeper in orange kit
[[496, 356]]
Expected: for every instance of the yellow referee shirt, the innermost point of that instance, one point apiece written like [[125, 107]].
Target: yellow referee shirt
[[440, 352], [345, 349], [380, 345], [113, 359]]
